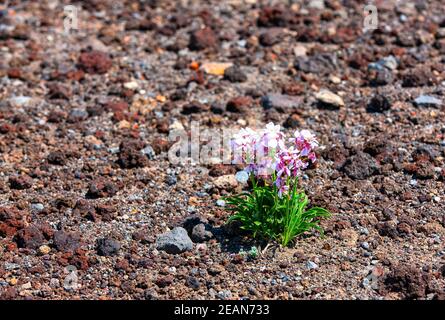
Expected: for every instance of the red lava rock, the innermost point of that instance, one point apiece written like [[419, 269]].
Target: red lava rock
[[403, 229], [203, 39], [163, 282], [101, 188], [117, 106], [360, 166], [338, 154], [407, 280], [6, 128], [11, 247], [142, 235], [11, 220], [341, 224], [194, 107], [160, 145], [163, 126], [221, 170], [271, 37], [145, 24], [101, 212], [57, 158], [84, 209], [359, 60], [130, 154], [276, 16], [59, 91], [424, 153], [294, 121], [75, 75], [14, 73], [216, 270], [95, 62], [376, 145], [47, 230], [122, 264], [421, 169], [387, 229], [6, 230], [105, 212], [239, 104], [344, 35], [79, 259], [293, 89], [311, 34], [9, 293], [377, 271], [198, 77], [56, 117], [21, 32], [66, 241], [119, 116], [30, 237], [417, 78], [238, 259], [21, 182]]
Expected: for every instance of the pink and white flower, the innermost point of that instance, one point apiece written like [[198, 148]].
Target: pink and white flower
[[265, 153]]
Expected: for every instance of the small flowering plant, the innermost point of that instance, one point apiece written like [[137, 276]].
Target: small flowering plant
[[276, 208]]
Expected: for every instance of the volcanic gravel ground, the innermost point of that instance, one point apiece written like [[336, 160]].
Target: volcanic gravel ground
[[81, 206]]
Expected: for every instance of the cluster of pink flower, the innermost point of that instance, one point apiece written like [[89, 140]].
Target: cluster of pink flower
[[265, 153]]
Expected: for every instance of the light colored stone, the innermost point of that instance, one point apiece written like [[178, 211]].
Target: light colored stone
[[90, 139], [226, 182], [174, 241], [335, 79], [26, 286], [329, 98], [131, 85], [311, 265], [300, 50], [425, 100], [20, 101], [44, 249], [124, 124], [215, 68]]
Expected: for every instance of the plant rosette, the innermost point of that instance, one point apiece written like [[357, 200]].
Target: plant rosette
[[276, 206]]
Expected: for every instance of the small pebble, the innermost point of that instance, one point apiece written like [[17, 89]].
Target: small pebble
[[44, 249], [365, 245], [37, 207], [311, 265], [426, 101], [329, 98]]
